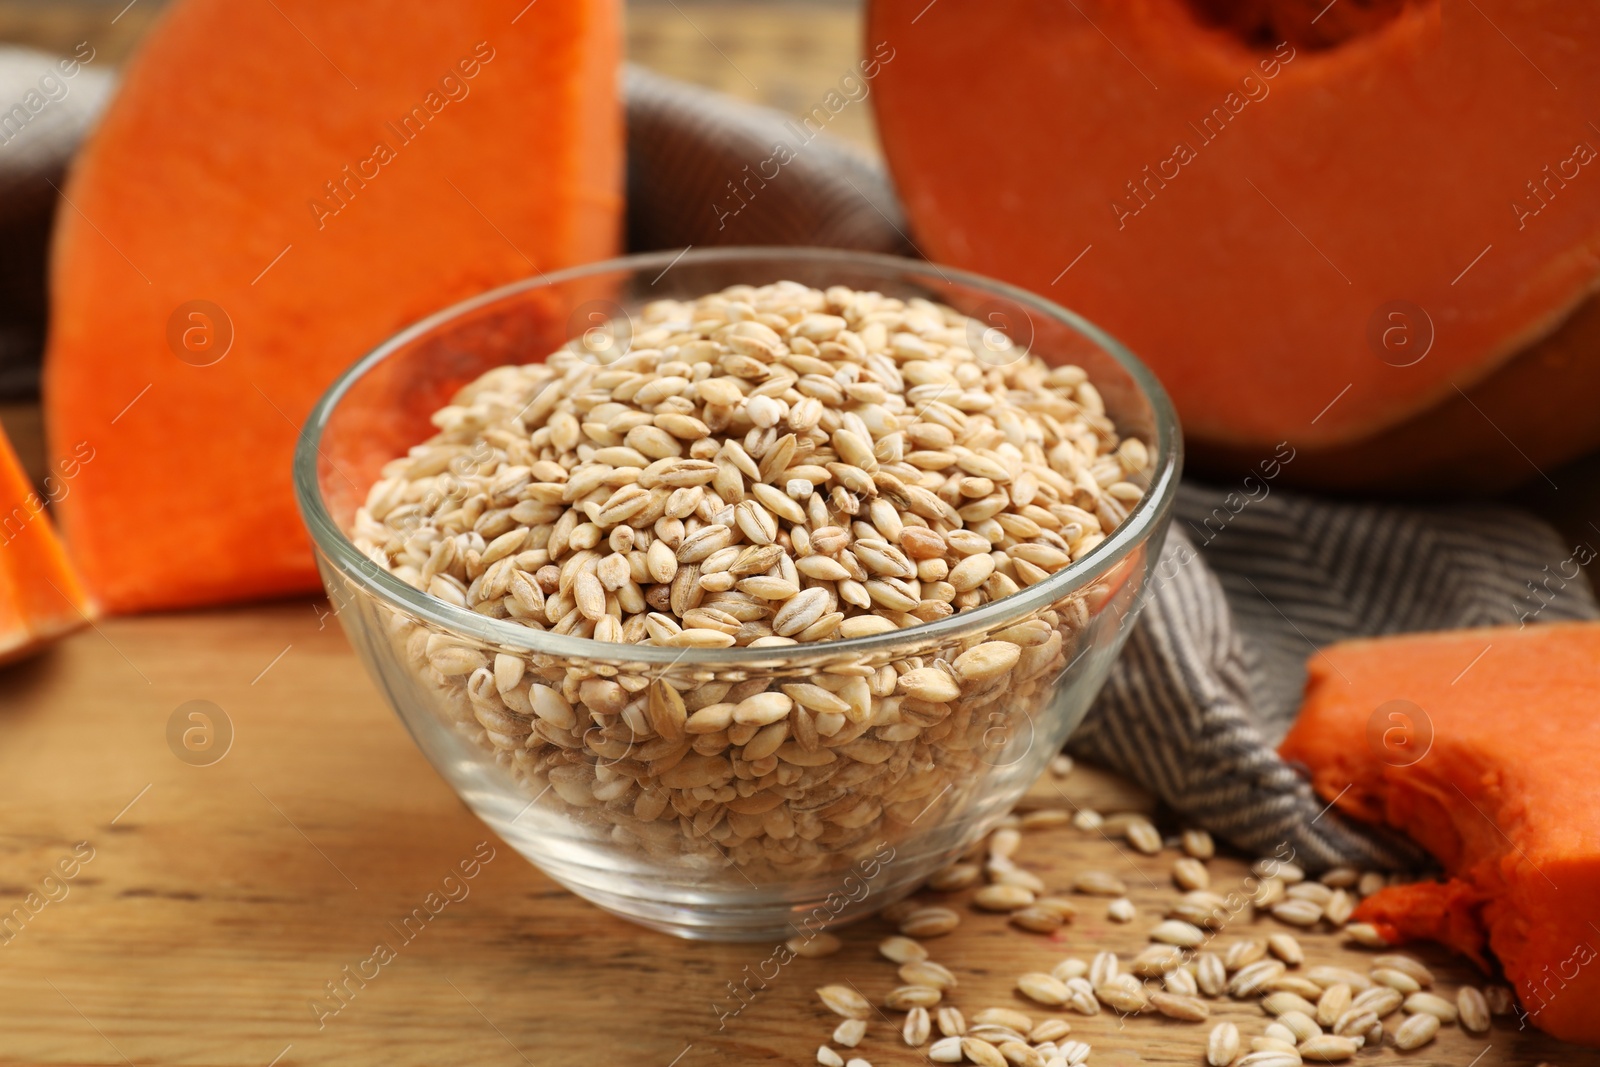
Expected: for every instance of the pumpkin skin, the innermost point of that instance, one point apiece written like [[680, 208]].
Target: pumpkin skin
[[1247, 204]]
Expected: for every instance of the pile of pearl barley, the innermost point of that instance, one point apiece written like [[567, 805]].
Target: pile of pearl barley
[[761, 467], [1208, 951]]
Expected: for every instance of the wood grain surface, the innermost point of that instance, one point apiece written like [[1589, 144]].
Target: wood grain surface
[[220, 900]]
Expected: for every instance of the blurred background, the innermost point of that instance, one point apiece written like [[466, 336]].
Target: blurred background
[[783, 54]]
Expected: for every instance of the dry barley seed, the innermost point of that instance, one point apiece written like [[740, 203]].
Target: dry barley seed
[[929, 922], [1019, 1022], [1314, 891], [1043, 989], [1268, 892], [1380, 1000], [1099, 883], [857, 1061], [1286, 948], [1366, 935], [1198, 844], [1282, 1002], [1087, 819], [1204, 908], [951, 1022], [928, 973], [1126, 999], [901, 950], [1294, 983], [1061, 766], [1326, 976], [986, 662], [906, 997], [946, 1050], [1270, 1058], [1020, 1054], [1397, 980], [1189, 1009], [1210, 974], [1252, 980], [843, 1000], [850, 1032], [917, 1028], [1407, 965], [1156, 960], [1333, 1003], [1416, 1031], [1074, 1053], [1004, 842], [1356, 1023], [1297, 912], [1121, 910], [1177, 932], [1432, 1004], [1038, 919], [829, 1058], [1242, 953], [1015, 876], [1328, 1048], [1222, 1047], [1049, 1030], [981, 1052], [1190, 873], [1472, 1010], [1276, 1039], [1301, 1025], [1002, 898], [814, 947], [1104, 967], [1143, 835], [1070, 968], [1340, 877], [1339, 907]]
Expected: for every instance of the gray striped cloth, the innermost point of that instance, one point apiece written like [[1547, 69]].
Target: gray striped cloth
[[1212, 674]]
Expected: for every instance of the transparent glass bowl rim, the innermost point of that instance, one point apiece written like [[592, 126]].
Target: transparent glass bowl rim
[[343, 554]]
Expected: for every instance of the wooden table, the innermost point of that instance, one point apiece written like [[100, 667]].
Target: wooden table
[[220, 900]]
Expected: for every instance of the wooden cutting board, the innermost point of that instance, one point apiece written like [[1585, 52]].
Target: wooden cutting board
[[218, 901]]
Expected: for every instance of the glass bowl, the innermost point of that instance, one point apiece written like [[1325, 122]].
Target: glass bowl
[[682, 833]]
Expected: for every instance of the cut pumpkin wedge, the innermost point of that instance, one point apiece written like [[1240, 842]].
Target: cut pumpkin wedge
[[1480, 745], [1371, 234], [276, 189], [41, 595]]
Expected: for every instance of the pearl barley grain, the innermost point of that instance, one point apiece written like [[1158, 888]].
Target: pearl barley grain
[[761, 467], [1223, 1046]]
